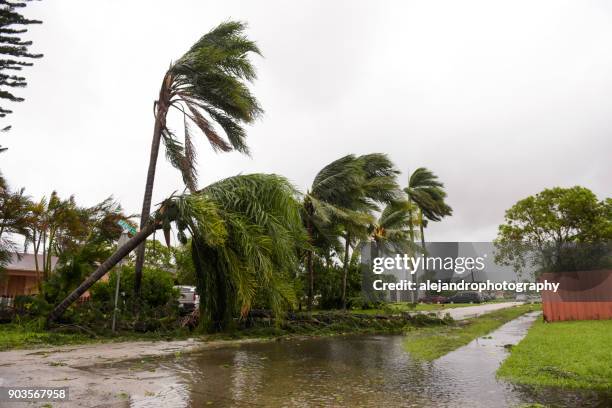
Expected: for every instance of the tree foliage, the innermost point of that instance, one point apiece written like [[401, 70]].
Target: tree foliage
[[14, 209], [427, 192], [339, 206], [14, 51], [56, 226], [392, 231], [553, 227], [208, 85], [262, 231]]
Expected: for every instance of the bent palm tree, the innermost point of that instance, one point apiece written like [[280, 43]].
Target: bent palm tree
[[345, 192], [428, 194], [378, 186], [244, 232], [207, 86], [332, 190], [393, 231]]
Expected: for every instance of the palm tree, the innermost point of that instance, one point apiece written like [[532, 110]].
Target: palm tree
[[244, 233], [54, 225], [345, 192], [393, 231], [332, 189], [379, 186], [14, 208], [207, 86], [428, 194]]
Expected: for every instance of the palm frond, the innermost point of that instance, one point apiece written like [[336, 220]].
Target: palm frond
[[428, 193], [209, 85], [245, 231]]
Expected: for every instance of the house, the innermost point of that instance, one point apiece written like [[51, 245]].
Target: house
[[19, 276]]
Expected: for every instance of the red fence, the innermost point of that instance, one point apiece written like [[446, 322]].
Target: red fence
[[584, 295]]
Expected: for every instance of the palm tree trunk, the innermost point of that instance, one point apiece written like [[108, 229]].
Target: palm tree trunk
[[410, 220], [44, 255], [310, 278], [36, 259], [422, 234], [346, 265], [160, 124], [309, 254], [106, 266], [416, 277]]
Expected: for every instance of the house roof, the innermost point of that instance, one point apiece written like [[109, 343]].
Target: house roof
[[26, 263]]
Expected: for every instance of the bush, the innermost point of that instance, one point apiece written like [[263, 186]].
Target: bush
[[329, 284], [157, 307], [157, 288]]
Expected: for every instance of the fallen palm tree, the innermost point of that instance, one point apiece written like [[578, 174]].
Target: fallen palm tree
[[244, 232]]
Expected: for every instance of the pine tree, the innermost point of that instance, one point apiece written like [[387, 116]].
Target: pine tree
[[14, 52]]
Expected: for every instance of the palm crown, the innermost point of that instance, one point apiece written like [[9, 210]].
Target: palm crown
[[428, 194], [209, 85]]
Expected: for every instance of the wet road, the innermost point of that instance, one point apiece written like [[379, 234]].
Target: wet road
[[351, 371], [354, 371]]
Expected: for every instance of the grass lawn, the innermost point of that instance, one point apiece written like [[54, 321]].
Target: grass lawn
[[30, 335], [409, 307], [563, 354], [430, 343], [14, 336]]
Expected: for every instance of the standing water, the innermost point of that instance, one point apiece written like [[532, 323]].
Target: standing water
[[353, 371]]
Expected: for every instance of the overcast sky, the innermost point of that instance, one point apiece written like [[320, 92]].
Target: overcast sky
[[500, 99]]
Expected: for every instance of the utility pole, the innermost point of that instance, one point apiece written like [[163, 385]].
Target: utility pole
[[122, 240]]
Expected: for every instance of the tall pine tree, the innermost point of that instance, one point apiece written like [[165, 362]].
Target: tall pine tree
[[14, 52]]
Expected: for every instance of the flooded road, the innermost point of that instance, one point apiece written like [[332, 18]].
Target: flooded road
[[354, 371]]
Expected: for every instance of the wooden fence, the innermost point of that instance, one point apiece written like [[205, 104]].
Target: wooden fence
[[584, 295]]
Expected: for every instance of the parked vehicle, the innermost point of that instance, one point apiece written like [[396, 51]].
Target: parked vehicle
[[188, 299], [534, 298], [466, 297], [521, 297], [433, 299]]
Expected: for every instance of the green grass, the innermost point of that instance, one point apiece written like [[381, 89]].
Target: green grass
[[563, 354], [432, 342], [409, 307], [29, 335], [21, 336]]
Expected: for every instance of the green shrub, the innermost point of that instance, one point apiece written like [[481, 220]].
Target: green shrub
[[157, 288]]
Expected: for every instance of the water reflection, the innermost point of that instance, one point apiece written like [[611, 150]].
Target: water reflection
[[364, 371]]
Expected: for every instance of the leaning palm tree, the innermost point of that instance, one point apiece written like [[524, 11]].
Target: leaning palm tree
[[327, 199], [345, 192], [378, 186], [428, 194], [244, 231], [14, 209], [393, 231], [207, 86]]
